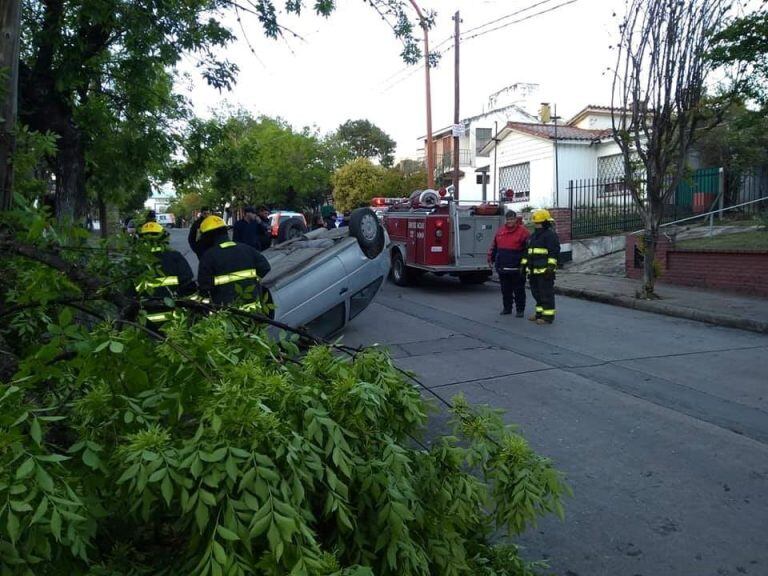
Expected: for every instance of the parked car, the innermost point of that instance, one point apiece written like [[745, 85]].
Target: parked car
[[322, 279], [286, 225], [168, 220]]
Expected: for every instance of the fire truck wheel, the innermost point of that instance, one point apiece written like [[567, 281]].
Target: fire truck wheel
[[402, 275], [364, 225], [290, 229], [474, 278]]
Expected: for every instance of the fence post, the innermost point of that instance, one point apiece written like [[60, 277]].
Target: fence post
[[721, 186]]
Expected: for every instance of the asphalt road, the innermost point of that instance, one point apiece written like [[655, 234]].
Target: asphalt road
[[660, 424]]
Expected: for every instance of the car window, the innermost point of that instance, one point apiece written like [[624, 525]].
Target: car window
[[359, 301], [329, 322]]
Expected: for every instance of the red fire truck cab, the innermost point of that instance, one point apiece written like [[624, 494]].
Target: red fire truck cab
[[433, 233]]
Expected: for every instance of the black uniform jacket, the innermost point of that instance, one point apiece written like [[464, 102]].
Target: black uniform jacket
[[229, 270]]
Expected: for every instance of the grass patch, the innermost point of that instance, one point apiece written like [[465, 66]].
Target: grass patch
[[747, 241]]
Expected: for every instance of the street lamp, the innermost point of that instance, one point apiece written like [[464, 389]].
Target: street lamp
[[430, 157]]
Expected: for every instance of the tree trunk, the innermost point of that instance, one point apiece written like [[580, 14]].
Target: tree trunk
[[102, 216], [10, 16], [652, 217], [70, 176]]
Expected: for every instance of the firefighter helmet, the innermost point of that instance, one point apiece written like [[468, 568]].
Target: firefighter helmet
[[211, 223], [151, 228], [541, 215]]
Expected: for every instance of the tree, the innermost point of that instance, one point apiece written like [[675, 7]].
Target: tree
[[744, 42], [10, 32], [215, 448], [658, 87], [357, 182], [363, 139], [246, 160], [117, 52]]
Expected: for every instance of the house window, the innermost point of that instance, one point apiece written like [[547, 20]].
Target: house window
[[483, 178], [515, 182], [482, 137], [610, 175]]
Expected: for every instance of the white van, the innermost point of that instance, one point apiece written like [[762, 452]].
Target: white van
[[166, 220]]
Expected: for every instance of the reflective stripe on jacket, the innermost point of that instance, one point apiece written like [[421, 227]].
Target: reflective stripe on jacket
[[543, 250], [231, 270]]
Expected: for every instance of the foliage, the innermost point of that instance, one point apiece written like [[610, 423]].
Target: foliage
[[658, 91], [358, 181], [247, 160], [186, 206], [744, 43], [33, 150], [217, 448], [363, 139], [738, 142], [99, 73]]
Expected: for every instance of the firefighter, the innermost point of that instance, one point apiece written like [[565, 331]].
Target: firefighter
[[507, 250], [541, 263], [228, 270], [175, 279]]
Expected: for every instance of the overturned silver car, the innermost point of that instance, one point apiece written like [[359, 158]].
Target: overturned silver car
[[321, 280]]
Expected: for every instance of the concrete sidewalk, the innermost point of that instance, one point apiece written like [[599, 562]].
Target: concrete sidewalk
[[721, 308]]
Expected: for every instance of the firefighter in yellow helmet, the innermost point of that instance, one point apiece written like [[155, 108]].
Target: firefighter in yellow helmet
[[175, 276], [228, 270], [540, 263]]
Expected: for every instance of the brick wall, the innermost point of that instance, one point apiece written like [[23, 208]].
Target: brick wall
[[745, 272], [562, 218]]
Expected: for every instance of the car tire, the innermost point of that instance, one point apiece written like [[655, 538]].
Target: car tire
[[402, 275], [365, 226], [474, 278], [290, 229]]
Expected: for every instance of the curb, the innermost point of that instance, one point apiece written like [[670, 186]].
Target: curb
[[661, 308]]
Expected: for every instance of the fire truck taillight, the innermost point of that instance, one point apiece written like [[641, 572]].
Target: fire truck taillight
[[438, 233], [439, 228]]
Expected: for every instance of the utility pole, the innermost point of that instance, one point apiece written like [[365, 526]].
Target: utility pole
[[430, 153], [557, 168], [10, 26], [456, 117]]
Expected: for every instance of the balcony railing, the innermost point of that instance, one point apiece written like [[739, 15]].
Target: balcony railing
[[444, 162]]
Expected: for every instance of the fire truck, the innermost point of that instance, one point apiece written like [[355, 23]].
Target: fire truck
[[431, 232]]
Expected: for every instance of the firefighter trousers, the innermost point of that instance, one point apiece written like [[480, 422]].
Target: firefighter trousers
[[512, 291], [543, 291]]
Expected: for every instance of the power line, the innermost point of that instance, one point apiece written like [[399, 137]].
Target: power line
[[531, 7], [518, 20]]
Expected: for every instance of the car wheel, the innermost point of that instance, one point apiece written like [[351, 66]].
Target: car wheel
[[474, 278], [402, 275], [366, 227], [290, 229]]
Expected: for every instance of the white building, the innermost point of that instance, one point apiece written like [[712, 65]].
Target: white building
[[511, 104], [535, 161]]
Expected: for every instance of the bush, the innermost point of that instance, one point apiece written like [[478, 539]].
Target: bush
[[218, 448]]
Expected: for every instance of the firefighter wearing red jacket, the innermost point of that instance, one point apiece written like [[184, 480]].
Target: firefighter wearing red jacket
[[541, 263], [507, 251]]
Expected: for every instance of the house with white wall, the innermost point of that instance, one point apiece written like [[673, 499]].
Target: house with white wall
[[535, 161], [513, 103]]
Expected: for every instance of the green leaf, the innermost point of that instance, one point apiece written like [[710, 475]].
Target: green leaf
[[116, 347], [129, 473], [101, 346], [42, 508], [91, 459], [53, 458], [20, 506], [44, 479], [166, 489], [158, 475], [25, 469], [56, 525], [13, 527], [36, 432], [219, 553], [207, 497], [216, 456], [201, 516], [227, 534]]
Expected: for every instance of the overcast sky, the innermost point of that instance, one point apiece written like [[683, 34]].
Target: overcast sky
[[348, 66]]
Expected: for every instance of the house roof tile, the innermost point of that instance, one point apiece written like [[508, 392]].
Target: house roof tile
[[563, 132]]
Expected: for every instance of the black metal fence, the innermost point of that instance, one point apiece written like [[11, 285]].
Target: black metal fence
[[746, 188], [605, 207]]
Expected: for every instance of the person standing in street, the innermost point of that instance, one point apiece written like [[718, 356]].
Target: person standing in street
[[248, 229], [265, 228], [194, 232], [541, 263], [229, 270], [506, 253]]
